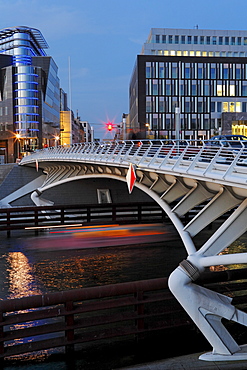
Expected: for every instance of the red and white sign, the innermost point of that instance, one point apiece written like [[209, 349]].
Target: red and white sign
[[131, 177]]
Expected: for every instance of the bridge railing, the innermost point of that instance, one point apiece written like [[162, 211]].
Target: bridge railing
[[187, 156]]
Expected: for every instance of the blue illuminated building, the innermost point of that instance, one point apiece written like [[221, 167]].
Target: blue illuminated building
[[29, 93]]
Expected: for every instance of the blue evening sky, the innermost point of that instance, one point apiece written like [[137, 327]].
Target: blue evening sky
[[100, 40]]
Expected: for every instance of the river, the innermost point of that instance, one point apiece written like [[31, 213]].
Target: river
[[38, 264]]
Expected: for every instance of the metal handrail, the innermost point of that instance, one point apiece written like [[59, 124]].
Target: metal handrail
[[190, 157]]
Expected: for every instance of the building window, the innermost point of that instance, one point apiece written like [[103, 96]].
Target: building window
[[201, 40], [148, 104], [233, 41], [161, 105], [157, 39], [219, 106], [187, 72], [225, 107], [220, 40], [213, 72], [214, 40], [226, 40], [104, 196], [176, 39], [155, 87], [195, 39], [239, 41], [245, 40], [163, 39], [208, 40], [189, 39], [182, 39], [170, 39]]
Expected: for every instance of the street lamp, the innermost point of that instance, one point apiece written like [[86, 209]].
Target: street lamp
[[56, 140], [18, 136]]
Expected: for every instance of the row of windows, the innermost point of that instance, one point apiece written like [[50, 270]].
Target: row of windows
[[202, 40], [196, 88], [199, 53], [181, 70], [168, 105], [187, 121]]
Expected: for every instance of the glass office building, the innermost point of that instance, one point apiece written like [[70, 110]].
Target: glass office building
[[201, 72], [29, 93]]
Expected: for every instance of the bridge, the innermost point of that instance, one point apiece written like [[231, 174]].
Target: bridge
[[179, 176]]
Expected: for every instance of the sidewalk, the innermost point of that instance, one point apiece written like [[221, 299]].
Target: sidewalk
[[189, 362]]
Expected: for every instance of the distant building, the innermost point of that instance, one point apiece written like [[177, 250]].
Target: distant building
[[88, 131], [29, 93], [202, 73]]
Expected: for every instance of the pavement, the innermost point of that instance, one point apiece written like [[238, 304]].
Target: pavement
[[189, 362]]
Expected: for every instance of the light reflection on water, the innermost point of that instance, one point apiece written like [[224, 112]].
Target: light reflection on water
[[26, 272]]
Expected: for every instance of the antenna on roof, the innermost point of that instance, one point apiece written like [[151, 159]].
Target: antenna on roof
[[196, 26]]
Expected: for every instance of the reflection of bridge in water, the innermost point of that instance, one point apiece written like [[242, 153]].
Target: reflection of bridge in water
[[179, 177]]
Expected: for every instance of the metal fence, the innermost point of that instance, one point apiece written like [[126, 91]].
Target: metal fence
[[47, 216], [72, 318]]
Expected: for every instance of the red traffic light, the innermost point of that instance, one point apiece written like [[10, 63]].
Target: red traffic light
[[109, 126]]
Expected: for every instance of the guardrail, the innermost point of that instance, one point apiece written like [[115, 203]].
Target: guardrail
[[196, 158], [18, 218], [76, 317]]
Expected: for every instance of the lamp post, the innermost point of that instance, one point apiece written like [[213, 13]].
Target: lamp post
[[18, 136]]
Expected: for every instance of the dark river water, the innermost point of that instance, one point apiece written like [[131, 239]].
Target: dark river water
[[29, 266]]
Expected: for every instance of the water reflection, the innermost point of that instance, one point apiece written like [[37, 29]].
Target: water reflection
[[21, 276]]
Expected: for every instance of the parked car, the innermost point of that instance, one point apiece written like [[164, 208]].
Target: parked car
[[232, 141]]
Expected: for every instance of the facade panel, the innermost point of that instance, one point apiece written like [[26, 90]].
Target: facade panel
[[198, 71]]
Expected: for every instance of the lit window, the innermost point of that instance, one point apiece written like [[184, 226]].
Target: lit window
[[204, 53], [219, 90], [172, 52], [232, 90], [198, 53], [192, 53], [179, 52], [232, 107], [225, 107], [185, 53], [238, 107], [166, 52]]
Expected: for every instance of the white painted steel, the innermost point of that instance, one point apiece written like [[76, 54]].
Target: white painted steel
[[189, 173]]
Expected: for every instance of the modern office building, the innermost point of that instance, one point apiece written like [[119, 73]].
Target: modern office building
[[29, 93], [202, 73]]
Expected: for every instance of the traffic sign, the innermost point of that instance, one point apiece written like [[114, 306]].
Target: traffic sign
[[131, 177]]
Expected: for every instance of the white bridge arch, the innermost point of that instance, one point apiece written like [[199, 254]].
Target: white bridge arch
[[178, 176]]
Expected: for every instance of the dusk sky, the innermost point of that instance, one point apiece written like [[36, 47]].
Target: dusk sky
[[101, 39]]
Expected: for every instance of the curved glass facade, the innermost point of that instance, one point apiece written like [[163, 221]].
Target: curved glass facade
[[29, 88]]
